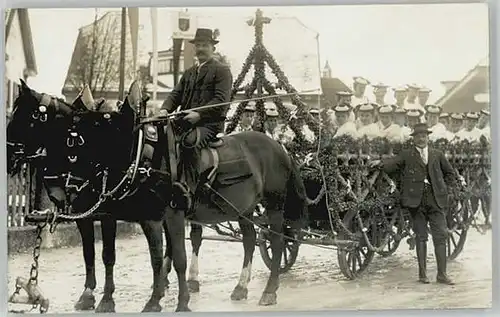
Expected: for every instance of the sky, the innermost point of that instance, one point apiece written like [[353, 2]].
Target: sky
[[393, 44]]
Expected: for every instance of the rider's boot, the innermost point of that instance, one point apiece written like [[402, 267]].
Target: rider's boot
[[422, 262]]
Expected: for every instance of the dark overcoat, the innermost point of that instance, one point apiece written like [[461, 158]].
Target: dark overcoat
[[408, 164], [211, 84]]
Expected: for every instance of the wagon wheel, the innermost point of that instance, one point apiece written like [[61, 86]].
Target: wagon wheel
[[458, 225], [395, 235], [354, 261], [290, 250]]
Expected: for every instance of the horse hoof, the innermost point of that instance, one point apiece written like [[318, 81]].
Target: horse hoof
[[182, 309], [152, 307], [85, 302], [106, 306], [239, 293], [268, 299], [193, 286]]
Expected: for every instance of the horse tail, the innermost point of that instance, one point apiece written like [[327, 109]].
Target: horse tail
[[296, 200]]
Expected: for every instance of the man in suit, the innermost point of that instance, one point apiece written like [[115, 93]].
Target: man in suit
[[205, 84], [425, 173]]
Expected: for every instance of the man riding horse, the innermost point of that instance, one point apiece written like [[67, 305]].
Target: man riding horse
[[207, 83]]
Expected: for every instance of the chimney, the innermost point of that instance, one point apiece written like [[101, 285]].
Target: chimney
[[448, 84]]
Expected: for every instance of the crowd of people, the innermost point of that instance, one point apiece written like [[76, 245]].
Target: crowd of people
[[354, 114]]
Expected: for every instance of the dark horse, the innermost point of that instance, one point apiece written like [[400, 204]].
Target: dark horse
[[40, 122], [242, 170]]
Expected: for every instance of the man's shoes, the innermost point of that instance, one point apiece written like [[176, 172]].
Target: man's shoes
[[424, 280], [422, 262], [444, 279]]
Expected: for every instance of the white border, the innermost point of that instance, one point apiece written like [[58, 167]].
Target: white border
[[495, 112]]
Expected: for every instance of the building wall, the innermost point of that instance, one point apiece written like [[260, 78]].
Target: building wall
[[15, 62]]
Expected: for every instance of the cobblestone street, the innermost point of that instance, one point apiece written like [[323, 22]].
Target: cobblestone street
[[314, 283]]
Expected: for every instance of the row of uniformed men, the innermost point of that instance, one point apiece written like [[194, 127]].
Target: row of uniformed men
[[371, 120]]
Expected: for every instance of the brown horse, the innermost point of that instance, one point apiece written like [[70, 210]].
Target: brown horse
[[250, 168]]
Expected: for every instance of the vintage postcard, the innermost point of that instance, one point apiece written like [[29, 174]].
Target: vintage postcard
[[232, 159]]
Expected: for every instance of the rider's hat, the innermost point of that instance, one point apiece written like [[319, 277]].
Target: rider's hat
[[342, 108], [272, 112], [314, 111], [399, 88], [343, 93], [249, 107], [444, 115], [424, 89], [457, 116], [485, 112], [399, 110], [367, 107], [472, 115], [204, 35], [413, 86]]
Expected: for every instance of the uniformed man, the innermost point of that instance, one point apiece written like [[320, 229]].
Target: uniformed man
[[438, 130], [456, 122], [359, 88], [423, 95], [484, 124], [343, 98], [400, 94], [247, 118], [380, 90], [413, 117], [199, 127], [368, 127], [399, 116], [387, 128], [425, 173], [271, 124], [411, 99], [345, 126], [470, 132], [444, 119]]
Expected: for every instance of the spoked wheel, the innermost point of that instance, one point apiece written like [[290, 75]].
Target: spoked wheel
[[458, 225], [394, 233], [290, 250], [354, 261]]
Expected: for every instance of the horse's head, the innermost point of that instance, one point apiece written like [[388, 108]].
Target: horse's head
[[96, 148], [30, 124]]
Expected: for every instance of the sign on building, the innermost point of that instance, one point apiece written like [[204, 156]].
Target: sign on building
[[184, 25]]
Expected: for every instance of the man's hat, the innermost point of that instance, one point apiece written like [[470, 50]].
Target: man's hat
[[344, 93], [424, 89], [204, 35], [472, 115], [457, 116], [485, 112], [366, 107], [272, 113], [342, 108], [386, 110], [360, 80], [420, 128], [380, 85], [399, 88], [250, 108], [433, 109], [444, 115], [400, 110], [414, 113]]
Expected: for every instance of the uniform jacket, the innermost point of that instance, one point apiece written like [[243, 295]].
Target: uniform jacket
[[211, 84], [410, 167]]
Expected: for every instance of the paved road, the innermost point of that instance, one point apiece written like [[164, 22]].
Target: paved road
[[315, 282]]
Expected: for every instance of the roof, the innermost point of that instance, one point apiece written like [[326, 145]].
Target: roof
[[26, 35], [331, 86], [459, 85], [109, 27]]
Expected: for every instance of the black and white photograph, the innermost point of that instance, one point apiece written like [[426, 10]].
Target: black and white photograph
[[248, 159]]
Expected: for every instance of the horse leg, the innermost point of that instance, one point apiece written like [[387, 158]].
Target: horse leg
[[108, 230], [87, 299], [240, 292], [153, 230], [485, 206], [276, 239], [177, 230], [195, 235], [167, 264]]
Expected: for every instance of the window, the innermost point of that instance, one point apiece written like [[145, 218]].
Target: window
[[163, 66]]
